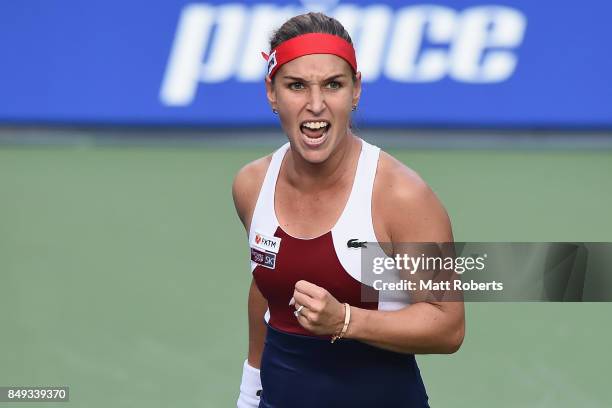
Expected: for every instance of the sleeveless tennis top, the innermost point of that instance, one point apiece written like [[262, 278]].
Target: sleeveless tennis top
[[331, 260]]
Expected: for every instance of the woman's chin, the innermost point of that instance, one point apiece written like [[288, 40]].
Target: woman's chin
[[314, 149]]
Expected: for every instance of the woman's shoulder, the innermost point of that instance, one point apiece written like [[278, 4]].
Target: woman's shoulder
[[410, 209], [396, 180], [246, 186]]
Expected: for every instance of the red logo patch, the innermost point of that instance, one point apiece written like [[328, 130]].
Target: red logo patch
[[257, 238]]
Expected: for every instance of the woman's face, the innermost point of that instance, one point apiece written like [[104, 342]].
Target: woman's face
[[314, 95]]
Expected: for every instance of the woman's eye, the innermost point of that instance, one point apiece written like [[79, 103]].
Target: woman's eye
[[296, 85], [334, 84]]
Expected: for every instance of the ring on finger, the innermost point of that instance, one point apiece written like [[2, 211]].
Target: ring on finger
[[298, 310]]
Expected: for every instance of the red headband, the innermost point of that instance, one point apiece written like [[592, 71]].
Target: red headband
[[306, 44]]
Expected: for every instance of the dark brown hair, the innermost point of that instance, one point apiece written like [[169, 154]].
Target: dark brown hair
[[306, 24]]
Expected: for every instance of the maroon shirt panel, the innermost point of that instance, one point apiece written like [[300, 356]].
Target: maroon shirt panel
[[315, 261]]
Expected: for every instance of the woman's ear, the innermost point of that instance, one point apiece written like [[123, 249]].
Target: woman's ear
[[271, 93], [357, 88]]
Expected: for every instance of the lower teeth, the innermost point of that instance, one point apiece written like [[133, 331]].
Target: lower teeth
[[317, 130]]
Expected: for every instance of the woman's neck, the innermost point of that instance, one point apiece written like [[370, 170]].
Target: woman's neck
[[306, 176]]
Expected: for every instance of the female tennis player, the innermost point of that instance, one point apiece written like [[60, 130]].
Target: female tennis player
[[309, 208]]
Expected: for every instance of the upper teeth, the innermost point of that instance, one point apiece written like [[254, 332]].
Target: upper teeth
[[315, 125]]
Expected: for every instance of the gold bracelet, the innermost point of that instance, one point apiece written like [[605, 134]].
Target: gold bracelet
[[347, 320]]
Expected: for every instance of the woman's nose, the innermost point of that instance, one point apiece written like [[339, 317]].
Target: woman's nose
[[316, 103]]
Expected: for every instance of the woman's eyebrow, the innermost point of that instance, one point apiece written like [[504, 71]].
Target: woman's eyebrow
[[294, 78]]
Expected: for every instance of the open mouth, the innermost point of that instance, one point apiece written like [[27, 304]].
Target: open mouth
[[314, 132]]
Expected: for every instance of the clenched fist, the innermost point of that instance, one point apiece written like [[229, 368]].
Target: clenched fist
[[319, 311]]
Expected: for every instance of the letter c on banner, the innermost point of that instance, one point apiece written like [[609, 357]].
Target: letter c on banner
[[407, 61]]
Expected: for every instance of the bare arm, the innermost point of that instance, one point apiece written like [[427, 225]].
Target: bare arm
[[245, 191], [411, 213], [421, 328], [257, 328]]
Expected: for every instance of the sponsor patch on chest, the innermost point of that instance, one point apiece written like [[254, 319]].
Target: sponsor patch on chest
[[266, 243], [264, 249]]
